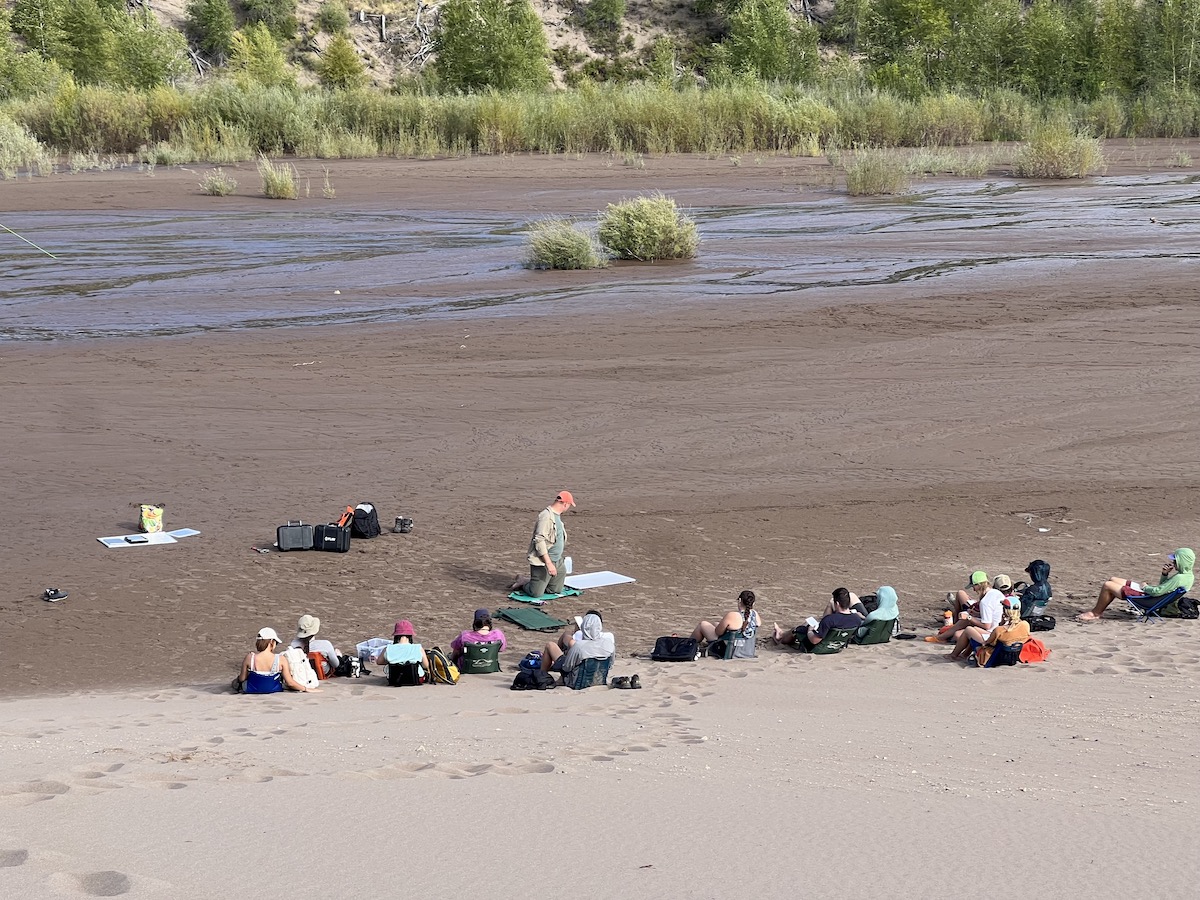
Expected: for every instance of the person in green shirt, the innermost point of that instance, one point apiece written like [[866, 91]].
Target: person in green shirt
[[1177, 573]]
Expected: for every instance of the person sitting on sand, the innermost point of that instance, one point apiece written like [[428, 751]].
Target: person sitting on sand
[[857, 607], [744, 619], [1011, 630], [983, 617], [808, 637], [888, 609], [1176, 573], [403, 649], [1035, 597], [482, 632], [266, 672], [306, 630], [591, 641]]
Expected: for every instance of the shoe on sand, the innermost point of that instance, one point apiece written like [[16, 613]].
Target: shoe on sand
[[53, 595], [932, 639], [621, 681], [635, 682]]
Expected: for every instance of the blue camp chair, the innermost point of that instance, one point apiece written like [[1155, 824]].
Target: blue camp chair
[[588, 673], [1146, 608]]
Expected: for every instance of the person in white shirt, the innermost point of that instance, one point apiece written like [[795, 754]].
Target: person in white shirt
[[977, 628], [306, 640], [983, 615]]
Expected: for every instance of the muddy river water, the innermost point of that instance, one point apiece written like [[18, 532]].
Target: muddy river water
[[128, 273]]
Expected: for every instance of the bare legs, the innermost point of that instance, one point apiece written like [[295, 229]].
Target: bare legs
[[783, 636], [705, 631], [962, 645], [555, 649], [1109, 592]]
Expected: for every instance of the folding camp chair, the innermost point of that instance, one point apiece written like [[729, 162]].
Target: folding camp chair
[[479, 659], [733, 644], [877, 632], [835, 642], [1004, 655], [1146, 608], [588, 673]]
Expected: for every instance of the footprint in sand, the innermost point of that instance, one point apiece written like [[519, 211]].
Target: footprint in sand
[[10, 858], [109, 883]]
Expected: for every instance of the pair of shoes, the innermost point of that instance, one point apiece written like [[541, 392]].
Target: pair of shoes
[[53, 595], [621, 682], [635, 682]]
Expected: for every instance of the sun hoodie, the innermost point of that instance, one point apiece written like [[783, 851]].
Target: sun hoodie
[[1185, 561]]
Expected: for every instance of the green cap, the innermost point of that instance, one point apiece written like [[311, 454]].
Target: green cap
[[977, 578]]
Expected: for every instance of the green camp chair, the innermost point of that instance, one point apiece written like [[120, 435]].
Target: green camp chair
[[835, 642], [479, 659], [732, 644], [588, 673], [877, 632]]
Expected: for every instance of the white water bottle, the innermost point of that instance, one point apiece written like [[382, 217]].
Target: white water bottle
[[567, 567]]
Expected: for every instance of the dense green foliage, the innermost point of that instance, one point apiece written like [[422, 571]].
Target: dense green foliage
[[562, 244], [490, 44], [279, 16], [340, 68], [210, 26], [648, 228], [333, 17]]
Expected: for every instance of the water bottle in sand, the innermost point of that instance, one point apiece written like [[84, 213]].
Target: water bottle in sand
[[567, 566], [948, 617]]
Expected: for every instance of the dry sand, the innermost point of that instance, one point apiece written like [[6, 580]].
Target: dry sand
[[896, 435]]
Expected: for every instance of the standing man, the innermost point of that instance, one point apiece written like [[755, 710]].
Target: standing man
[[546, 549]]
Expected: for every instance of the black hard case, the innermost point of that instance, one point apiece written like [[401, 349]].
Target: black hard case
[[294, 536], [332, 538]]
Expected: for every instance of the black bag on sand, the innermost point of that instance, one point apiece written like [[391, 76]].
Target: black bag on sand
[[533, 680], [294, 536], [870, 602], [1188, 608], [331, 538], [673, 648], [403, 674], [1041, 623], [366, 521]]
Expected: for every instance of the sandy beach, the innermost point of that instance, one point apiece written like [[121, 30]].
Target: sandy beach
[[730, 423]]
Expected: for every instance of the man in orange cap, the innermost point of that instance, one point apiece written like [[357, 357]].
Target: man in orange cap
[[546, 549]]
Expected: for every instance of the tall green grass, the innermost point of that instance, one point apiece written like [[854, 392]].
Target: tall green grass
[[1057, 150], [875, 172], [20, 150], [648, 228], [278, 181], [224, 120], [562, 244]]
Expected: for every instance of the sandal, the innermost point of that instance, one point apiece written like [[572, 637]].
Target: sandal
[[621, 681], [636, 683], [53, 595]]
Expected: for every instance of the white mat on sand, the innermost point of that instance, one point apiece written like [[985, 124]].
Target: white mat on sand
[[119, 541], [596, 579]]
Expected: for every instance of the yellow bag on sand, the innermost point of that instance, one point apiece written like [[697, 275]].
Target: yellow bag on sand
[[150, 518]]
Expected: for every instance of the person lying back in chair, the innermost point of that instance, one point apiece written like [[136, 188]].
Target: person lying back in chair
[[1176, 573], [808, 636], [571, 649]]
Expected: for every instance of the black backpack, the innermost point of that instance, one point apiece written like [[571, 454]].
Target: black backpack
[[533, 680], [673, 648], [1040, 623], [403, 674], [366, 521]]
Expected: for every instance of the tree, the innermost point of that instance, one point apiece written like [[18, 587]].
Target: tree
[[1118, 40], [210, 25], [340, 68], [90, 49], [149, 55], [490, 44], [257, 56], [764, 40], [39, 23], [903, 39], [23, 74], [332, 17], [278, 15]]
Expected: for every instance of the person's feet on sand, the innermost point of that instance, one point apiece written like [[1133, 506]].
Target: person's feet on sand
[[1087, 617], [777, 634], [932, 639]]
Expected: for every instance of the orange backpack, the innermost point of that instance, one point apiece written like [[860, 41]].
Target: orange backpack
[[1034, 651]]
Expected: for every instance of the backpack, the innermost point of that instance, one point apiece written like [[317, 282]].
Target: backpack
[[405, 674], [1034, 651], [870, 602], [1183, 608], [441, 670], [532, 662], [533, 680], [364, 521], [1040, 623], [673, 648], [302, 671]]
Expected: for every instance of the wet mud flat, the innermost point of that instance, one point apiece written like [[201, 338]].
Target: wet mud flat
[[123, 273]]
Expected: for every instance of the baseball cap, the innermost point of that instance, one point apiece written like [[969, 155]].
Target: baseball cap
[[1002, 583], [403, 627], [566, 497], [307, 626], [977, 577], [482, 614], [1171, 557], [268, 634]]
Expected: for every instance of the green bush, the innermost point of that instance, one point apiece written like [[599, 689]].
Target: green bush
[[278, 181], [1056, 150], [562, 244], [648, 228], [332, 17], [19, 149], [210, 25], [876, 172], [485, 44], [279, 16], [218, 184], [340, 68]]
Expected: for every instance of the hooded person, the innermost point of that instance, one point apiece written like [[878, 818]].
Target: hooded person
[[1177, 573], [1038, 594], [888, 609], [593, 642]]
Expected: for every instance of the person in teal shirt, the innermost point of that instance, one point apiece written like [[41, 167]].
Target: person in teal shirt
[[1177, 573]]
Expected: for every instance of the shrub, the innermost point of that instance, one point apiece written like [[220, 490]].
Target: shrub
[[277, 15], [648, 228], [490, 44], [21, 150], [210, 24], [332, 17], [340, 68], [562, 244], [1056, 150], [876, 172], [278, 181], [257, 57], [218, 184]]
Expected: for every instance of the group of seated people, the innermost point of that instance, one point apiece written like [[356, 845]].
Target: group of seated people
[[984, 617]]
